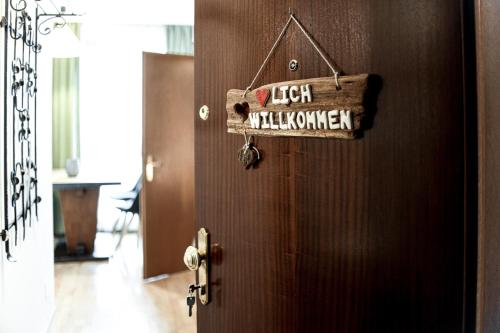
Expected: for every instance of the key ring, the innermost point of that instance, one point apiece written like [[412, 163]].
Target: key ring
[[248, 154], [249, 145]]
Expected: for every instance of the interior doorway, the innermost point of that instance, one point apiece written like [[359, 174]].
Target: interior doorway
[[102, 126]]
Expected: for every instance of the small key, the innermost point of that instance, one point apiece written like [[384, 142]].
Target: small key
[[191, 300], [192, 288]]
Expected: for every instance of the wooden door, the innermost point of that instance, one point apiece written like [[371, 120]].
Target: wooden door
[[168, 196], [488, 81], [331, 235]]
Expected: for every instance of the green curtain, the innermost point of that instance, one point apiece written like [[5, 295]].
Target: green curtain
[[65, 119], [180, 39], [65, 108]]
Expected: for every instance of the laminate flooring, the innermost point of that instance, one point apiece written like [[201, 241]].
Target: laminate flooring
[[112, 297]]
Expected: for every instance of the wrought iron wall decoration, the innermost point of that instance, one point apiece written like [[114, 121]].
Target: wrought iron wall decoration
[[22, 22]]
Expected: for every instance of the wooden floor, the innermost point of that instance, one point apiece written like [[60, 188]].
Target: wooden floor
[[111, 297]]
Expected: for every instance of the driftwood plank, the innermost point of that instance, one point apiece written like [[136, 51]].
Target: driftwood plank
[[344, 108]]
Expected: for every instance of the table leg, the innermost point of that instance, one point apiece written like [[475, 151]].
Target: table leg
[[79, 208]]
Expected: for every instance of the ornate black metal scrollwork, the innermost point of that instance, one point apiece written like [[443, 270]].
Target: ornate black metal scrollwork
[[47, 24], [23, 21], [21, 49]]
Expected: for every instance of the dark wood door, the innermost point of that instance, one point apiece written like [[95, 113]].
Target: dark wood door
[[168, 193], [331, 235]]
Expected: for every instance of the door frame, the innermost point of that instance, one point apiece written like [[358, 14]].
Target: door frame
[[487, 46]]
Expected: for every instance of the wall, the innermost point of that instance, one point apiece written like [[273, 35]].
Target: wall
[[157, 12], [27, 286], [111, 91], [488, 63]]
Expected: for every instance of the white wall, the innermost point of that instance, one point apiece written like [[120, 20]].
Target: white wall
[[27, 286], [111, 96]]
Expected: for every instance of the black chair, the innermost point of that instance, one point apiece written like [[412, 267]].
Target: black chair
[[129, 203], [130, 195]]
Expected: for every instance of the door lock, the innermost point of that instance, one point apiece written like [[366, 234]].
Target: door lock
[[192, 258], [198, 260]]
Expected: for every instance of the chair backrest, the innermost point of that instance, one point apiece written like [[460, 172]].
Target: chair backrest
[[138, 185], [136, 203]]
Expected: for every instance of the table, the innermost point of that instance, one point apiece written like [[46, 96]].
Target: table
[[79, 196]]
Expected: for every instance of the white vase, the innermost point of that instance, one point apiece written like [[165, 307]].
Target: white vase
[[72, 167]]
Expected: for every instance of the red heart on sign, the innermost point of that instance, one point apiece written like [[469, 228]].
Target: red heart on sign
[[262, 96]]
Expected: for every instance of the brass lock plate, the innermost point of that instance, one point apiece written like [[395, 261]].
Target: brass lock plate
[[204, 270]]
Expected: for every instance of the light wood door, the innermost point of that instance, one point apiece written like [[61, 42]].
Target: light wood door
[[332, 235], [168, 195]]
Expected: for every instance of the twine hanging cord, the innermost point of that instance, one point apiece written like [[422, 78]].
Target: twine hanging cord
[[276, 43]]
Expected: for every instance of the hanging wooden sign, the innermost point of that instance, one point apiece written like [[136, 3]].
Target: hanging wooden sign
[[319, 107], [327, 107]]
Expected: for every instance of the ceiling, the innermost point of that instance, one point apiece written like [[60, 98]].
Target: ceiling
[[144, 12]]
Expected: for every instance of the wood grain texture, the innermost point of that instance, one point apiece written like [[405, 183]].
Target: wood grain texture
[[336, 235], [79, 209], [168, 201], [325, 97], [488, 74], [112, 297]]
